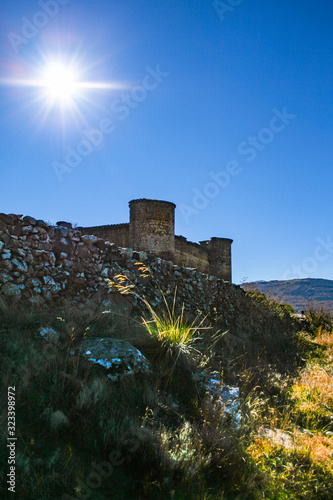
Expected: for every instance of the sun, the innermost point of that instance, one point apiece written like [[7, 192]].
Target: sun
[[60, 82]]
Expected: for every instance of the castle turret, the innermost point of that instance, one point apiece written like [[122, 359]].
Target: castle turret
[[220, 258], [152, 227]]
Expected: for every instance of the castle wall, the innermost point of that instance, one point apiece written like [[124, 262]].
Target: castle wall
[[189, 254], [116, 233], [151, 229]]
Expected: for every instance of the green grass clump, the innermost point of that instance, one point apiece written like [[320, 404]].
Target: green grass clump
[[171, 338], [166, 326], [319, 321]]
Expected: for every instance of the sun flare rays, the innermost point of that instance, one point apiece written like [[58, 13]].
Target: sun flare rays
[[55, 84]]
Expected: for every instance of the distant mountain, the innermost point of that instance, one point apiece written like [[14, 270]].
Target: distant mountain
[[301, 294]]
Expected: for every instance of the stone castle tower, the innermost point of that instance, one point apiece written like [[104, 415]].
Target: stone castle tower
[[152, 229]]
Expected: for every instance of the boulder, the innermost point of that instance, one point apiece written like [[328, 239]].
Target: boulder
[[118, 358], [68, 225], [11, 290], [49, 334], [225, 395]]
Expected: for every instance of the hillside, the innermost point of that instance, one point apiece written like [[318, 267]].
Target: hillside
[[301, 294], [128, 377], [105, 406]]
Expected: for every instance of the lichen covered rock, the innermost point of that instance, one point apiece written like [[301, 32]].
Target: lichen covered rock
[[119, 358]]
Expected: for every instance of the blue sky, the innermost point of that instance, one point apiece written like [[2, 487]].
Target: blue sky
[[223, 108]]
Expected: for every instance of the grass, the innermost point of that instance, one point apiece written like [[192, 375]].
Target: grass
[[166, 437], [165, 325], [312, 394], [172, 339], [302, 465]]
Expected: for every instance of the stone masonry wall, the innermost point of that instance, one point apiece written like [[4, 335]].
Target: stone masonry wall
[[43, 264], [152, 227], [220, 257], [191, 254], [116, 233]]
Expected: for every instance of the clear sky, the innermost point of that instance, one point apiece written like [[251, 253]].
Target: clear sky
[[224, 108]]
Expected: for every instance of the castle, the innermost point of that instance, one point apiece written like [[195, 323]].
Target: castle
[[152, 229]]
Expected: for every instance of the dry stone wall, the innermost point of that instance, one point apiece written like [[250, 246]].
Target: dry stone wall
[[44, 264]]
